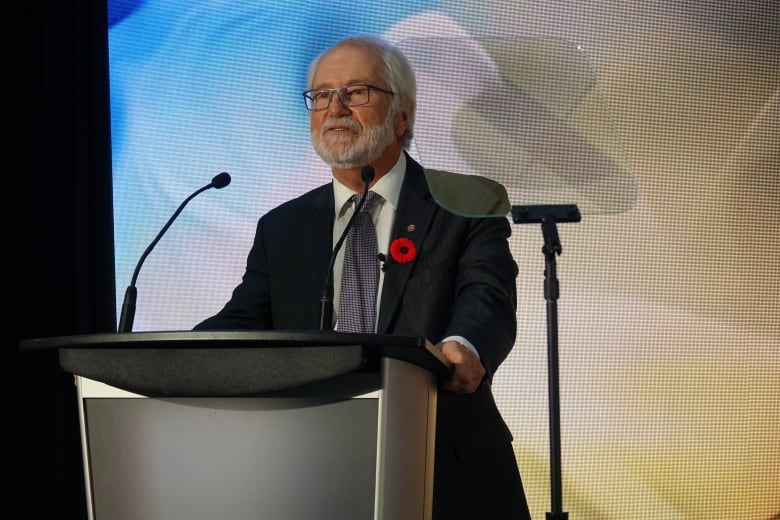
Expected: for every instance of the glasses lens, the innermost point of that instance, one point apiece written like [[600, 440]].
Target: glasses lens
[[318, 99], [355, 95]]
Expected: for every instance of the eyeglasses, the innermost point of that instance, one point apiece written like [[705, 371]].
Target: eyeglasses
[[350, 96]]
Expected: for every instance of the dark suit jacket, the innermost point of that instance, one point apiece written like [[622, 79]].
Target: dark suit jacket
[[462, 282]]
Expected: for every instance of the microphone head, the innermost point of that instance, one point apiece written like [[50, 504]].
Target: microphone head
[[221, 180], [367, 173]]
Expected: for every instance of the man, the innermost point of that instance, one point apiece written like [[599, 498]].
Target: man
[[453, 283]]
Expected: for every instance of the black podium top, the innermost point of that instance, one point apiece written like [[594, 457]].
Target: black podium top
[[231, 363]]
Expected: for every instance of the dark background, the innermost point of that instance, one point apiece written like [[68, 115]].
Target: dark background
[[64, 276]]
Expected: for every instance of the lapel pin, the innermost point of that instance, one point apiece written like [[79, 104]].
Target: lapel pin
[[410, 228]]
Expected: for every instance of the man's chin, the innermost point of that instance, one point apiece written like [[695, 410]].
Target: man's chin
[[339, 161]]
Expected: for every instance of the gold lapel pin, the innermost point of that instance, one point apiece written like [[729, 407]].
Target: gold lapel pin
[[410, 228]]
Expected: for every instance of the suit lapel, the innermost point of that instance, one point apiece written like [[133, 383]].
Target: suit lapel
[[413, 219]]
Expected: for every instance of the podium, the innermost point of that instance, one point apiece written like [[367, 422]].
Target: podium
[[239, 425]]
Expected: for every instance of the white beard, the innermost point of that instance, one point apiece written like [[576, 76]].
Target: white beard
[[341, 153]]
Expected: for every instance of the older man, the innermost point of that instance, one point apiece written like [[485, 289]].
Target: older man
[[452, 280]]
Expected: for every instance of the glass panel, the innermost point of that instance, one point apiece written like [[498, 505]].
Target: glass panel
[[525, 113]]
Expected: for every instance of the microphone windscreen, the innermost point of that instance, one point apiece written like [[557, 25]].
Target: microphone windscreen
[[367, 173], [221, 180]]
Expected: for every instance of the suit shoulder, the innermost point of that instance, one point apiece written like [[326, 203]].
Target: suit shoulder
[[317, 198]]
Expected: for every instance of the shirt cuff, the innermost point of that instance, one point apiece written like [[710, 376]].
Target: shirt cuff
[[463, 341]]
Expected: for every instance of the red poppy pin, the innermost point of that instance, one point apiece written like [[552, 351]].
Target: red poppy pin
[[402, 250]]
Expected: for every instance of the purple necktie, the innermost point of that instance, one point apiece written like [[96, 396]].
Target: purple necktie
[[360, 275]]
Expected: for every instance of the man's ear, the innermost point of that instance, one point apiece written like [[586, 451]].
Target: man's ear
[[400, 123]]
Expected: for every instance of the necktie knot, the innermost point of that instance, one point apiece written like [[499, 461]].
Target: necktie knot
[[372, 198]]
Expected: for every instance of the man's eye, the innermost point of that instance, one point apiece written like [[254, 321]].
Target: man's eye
[[320, 95]]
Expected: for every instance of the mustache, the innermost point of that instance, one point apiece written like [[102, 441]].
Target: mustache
[[342, 122]]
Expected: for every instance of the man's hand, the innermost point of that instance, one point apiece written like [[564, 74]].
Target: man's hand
[[467, 369]]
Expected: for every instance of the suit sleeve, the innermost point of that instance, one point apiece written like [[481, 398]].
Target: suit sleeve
[[485, 296]]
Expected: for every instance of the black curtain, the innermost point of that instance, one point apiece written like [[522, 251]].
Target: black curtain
[[65, 272]]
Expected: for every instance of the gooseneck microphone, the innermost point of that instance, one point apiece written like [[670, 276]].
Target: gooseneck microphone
[[326, 306], [128, 305]]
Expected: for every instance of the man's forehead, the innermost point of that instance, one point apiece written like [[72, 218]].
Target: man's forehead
[[348, 63]]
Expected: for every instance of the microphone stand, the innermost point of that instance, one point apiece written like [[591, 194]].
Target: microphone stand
[[548, 216]]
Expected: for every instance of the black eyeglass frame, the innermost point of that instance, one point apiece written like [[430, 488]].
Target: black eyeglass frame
[[341, 91]]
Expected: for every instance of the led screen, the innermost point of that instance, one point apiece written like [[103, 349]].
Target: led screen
[[658, 119]]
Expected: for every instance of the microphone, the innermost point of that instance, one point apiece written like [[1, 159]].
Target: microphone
[[128, 305], [326, 307]]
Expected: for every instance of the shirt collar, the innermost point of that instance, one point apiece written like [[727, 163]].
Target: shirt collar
[[389, 187]]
